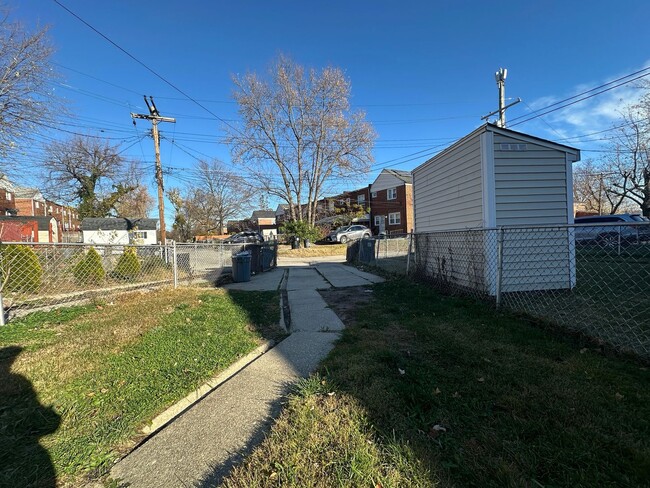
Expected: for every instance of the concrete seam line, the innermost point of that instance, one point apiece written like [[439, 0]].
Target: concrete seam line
[[179, 407]]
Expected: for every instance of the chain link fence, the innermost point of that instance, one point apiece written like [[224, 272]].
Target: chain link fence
[[40, 276], [589, 279], [388, 252]]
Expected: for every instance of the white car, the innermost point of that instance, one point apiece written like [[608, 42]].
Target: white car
[[349, 233]]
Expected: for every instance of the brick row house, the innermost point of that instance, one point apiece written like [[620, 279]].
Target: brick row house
[[391, 202], [24, 203]]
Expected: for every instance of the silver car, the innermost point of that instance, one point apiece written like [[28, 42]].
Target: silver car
[[603, 229], [349, 233]]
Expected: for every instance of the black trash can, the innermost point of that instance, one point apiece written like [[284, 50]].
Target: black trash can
[[241, 267], [295, 242], [268, 254], [256, 257], [306, 243]]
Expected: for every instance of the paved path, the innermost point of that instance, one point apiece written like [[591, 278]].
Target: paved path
[[200, 446]]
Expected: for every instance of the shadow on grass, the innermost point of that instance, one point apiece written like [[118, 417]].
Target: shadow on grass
[[486, 399], [23, 421]]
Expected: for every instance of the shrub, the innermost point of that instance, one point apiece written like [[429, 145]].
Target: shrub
[[128, 267], [89, 270], [20, 266], [301, 229]]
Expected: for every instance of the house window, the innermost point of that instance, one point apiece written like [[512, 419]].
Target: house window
[[140, 235], [38, 205], [391, 194], [373, 194], [361, 199], [8, 196], [378, 220], [394, 218]]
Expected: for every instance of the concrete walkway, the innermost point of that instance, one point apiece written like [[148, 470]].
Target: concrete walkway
[[200, 446]]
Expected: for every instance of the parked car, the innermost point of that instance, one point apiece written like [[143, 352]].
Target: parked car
[[349, 233], [248, 236], [632, 228]]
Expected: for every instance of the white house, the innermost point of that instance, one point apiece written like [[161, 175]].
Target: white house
[[119, 231], [496, 178]]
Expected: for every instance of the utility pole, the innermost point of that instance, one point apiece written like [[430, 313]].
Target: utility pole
[[500, 77], [155, 118]]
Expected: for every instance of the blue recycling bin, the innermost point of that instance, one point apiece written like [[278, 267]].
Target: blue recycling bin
[[241, 267]]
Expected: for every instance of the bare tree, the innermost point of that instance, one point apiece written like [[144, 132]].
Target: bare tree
[[298, 133], [630, 156], [89, 172], [27, 102], [595, 188], [206, 206], [137, 203], [221, 195]]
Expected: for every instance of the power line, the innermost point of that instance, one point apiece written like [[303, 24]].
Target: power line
[[151, 70]]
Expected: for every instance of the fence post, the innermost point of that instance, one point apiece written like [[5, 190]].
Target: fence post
[[2, 310], [408, 253], [619, 241], [499, 265], [175, 264]]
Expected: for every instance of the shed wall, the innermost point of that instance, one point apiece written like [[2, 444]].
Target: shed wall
[[448, 189], [530, 185]]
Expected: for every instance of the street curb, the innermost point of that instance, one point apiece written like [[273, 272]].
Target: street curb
[[179, 407]]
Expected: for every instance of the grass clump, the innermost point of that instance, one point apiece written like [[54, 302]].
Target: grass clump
[[89, 270], [20, 267]]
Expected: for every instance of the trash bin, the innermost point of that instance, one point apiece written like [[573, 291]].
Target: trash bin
[[241, 267], [306, 243], [267, 258], [295, 242], [256, 257]]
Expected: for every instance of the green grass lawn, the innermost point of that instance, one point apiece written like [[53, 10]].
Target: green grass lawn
[[89, 378], [428, 390]]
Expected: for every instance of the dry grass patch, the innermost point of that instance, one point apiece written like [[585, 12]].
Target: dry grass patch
[[316, 250]]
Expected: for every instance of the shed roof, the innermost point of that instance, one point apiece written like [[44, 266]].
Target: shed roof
[[118, 223], [507, 132]]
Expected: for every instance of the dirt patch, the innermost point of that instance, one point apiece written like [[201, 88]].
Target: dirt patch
[[346, 301]]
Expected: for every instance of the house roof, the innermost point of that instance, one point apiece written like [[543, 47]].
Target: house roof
[[263, 214], [43, 222], [5, 184], [405, 176], [32, 193], [113, 223]]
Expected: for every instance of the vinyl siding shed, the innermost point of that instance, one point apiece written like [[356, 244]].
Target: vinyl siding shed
[[491, 179]]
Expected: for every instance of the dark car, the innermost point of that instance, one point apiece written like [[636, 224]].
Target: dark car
[[248, 236]]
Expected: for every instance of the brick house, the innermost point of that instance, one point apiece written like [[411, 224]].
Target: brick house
[[264, 221], [30, 202], [391, 202], [7, 196], [29, 229]]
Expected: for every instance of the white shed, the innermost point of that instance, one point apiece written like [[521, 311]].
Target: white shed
[[118, 230], [499, 178]]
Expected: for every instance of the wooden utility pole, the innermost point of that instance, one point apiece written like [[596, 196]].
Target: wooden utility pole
[[155, 117]]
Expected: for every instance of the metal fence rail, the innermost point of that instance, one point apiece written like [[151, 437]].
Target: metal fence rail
[[39, 276], [591, 279]]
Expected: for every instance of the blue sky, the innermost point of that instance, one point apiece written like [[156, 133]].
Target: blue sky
[[422, 70]]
